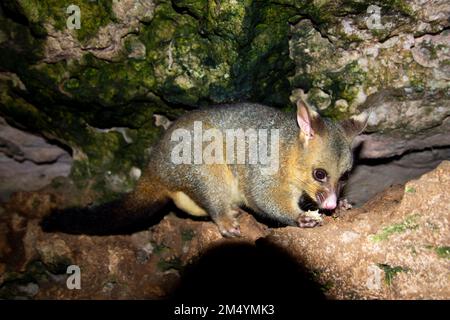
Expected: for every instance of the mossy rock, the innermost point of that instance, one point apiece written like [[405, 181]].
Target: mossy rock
[[182, 55]]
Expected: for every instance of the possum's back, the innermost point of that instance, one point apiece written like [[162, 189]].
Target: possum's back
[[238, 116], [243, 116]]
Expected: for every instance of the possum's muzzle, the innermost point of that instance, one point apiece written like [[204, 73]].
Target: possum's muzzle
[[326, 201]]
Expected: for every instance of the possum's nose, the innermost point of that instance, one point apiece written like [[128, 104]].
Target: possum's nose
[[330, 202]]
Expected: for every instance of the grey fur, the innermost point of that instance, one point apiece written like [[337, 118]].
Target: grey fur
[[215, 196]]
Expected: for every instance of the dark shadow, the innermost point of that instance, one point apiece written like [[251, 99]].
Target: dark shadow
[[265, 219], [242, 271], [105, 219], [356, 154], [8, 11], [184, 215]]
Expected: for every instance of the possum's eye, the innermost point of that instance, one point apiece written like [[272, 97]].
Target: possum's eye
[[320, 175]]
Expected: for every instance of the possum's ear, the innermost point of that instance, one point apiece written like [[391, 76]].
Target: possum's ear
[[355, 124], [307, 120]]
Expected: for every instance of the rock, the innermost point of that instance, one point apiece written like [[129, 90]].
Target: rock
[[375, 253], [395, 247], [398, 70], [368, 179], [56, 255], [375, 146], [28, 162], [430, 51], [22, 146], [33, 204], [143, 265], [31, 289], [109, 41], [167, 56]]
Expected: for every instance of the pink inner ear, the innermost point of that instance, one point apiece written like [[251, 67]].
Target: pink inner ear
[[304, 122], [304, 126]]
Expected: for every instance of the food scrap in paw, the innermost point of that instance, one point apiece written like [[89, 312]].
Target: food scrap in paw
[[310, 219]]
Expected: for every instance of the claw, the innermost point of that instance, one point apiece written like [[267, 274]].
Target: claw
[[229, 226], [230, 233]]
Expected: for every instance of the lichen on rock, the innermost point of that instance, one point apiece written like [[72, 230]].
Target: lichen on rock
[[130, 59], [97, 89]]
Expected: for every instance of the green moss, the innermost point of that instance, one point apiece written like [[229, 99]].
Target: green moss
[[428, 46], [94, 15], [443, 252], [35, 272], [58, 265], [380, 34], [410, 190], [104, 152], [27, 48], [30, 9], [317, 11], [229, 19], [197, 52], [194, 7], [174, 263], [57, 183], [316, 276], [318, 98], [187, 235], [345, 84], [352, 37], [390, 272], [159, 249], [263, 67], [17, 108], [72, 84], [327, 286], [103, 191], [410, 223], [417, 83], [398, 5]]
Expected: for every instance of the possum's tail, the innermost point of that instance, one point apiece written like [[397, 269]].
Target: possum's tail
[[136, 211]]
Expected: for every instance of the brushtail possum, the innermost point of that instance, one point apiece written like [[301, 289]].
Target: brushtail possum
[[313, 155]]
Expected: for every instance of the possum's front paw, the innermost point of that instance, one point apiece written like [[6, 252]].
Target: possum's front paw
[[342, 207], [230, 232], [344, 204], [229, 227], [305, 221]]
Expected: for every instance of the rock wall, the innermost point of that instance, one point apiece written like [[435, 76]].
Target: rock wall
[[97, 88], [28, 162]]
